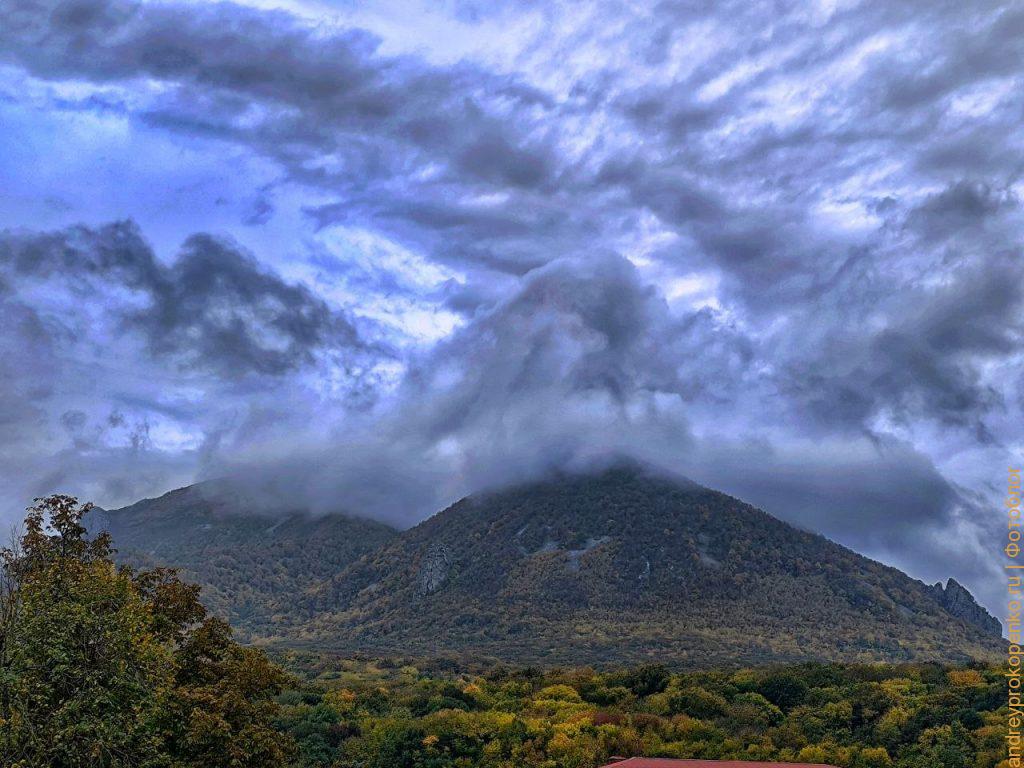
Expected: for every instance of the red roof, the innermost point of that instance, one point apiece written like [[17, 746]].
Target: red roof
[[666, 762]]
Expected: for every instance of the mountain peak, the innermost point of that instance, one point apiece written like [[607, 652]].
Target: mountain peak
[[959, 601], [621, 564], [603, 470]]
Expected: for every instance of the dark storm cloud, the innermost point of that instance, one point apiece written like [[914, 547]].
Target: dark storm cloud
[[924, 358], [583, 359], [335, 113], [238, 316], [965, 208], [213, 308], [575, 326], [26, 360], [914, 336], [988, 44], [584, 339]]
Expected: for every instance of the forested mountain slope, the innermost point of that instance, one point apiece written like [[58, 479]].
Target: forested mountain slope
[[628, 566], [253, 563]]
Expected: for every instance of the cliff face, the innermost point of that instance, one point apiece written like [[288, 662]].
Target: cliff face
[[961, 603]]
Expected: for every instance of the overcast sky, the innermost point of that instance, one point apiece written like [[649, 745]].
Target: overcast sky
[[382, 254]]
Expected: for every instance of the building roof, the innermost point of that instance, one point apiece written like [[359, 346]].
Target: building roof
[[665, 762]]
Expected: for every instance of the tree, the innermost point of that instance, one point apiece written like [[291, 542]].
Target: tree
[[101, 666], [697, 702], [648, 679], [220, 708], [784, 689], [946, 746], [82, 673], [873, 757]]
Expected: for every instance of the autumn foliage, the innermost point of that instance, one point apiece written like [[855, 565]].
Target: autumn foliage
[[102, 665]]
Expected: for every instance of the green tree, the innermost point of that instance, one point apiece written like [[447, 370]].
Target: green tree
[[648, 679], [220, 708], [101, 666], [82, 674], [697, 702], [947, 746], [784, 689]]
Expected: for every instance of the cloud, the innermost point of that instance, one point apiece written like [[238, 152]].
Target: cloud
[[922, 358], [215, 308], [119, 367], [222, 310], [28, 365], [325, 105], [774, 247]]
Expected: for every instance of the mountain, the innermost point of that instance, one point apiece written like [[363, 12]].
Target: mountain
[[620, 566], [251, 560], [627, 566]]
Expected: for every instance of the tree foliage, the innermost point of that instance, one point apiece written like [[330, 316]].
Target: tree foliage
[[367, 714], [101, 665]]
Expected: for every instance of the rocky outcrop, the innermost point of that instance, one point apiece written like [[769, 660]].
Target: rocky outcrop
[[434, 569], [957, 600]]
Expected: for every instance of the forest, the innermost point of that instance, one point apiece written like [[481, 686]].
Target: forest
[[107, 665], [385, 714]]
